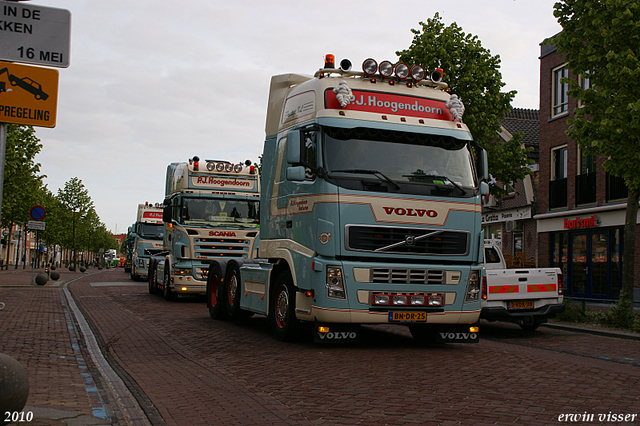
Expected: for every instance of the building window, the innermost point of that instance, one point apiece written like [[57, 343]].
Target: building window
[[585, 84], [586, 178], [559, 89], [558, 183]]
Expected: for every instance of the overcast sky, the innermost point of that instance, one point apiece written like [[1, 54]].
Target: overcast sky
[[152, 82]]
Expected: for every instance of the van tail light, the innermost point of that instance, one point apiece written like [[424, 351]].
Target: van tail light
[[560, 286], [484, 288]]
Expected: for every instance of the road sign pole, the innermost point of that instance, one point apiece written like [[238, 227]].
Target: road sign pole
[[3, 144]]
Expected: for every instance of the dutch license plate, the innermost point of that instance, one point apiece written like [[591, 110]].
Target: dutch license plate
[[521, 304], [407, 317]]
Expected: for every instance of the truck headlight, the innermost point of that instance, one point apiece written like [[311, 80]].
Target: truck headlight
[[182, 271], [473, 287], [335, 283]]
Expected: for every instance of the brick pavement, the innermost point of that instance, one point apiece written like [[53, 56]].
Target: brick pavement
[[256, 383], [37, 330]]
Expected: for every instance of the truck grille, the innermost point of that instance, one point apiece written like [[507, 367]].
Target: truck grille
[[210, 248], [380, 239], [407, 276]]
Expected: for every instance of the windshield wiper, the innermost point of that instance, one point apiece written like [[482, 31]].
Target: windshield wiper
[[376, 173], [424, 175]]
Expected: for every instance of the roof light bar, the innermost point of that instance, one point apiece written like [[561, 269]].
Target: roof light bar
[[369, 67], [402, 71], [417, 73], [386, 69]]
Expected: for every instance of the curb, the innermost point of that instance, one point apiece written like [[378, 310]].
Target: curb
[[606, 333]]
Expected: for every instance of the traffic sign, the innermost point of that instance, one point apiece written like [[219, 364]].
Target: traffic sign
[[28, 95], [34, 225], [34, 34], [37, 213]]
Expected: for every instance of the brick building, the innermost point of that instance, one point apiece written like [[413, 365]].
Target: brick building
[[580, 209], [508, 220]]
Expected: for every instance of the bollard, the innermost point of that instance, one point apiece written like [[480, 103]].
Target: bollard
[[55, 275], [42, 279], [82, 269], [14, 386]]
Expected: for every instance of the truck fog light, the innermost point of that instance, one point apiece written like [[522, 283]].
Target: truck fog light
[[400, 300], [381, 299], [417, 301], [435, 300]]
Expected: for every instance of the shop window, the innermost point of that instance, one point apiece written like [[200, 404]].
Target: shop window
[[560, 104]]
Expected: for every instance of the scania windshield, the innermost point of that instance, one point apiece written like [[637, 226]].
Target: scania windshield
[[151, 231], [390, 161], [219, 213]]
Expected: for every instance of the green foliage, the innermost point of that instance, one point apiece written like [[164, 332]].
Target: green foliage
[[620, 316], [22, 184], [473, 74]]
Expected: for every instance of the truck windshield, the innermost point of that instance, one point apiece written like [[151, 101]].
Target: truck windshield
[[150, 231], [220, 213], [408, 160]]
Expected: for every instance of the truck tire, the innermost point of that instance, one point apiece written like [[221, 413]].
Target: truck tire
[[151, 277], [282, 315], [166, 291], [233, 292], [423, 334], [215, 292]]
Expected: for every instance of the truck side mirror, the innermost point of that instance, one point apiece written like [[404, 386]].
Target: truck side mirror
[[484, 188], [482, 165], [166, 214], [296, 173], [294, 148]]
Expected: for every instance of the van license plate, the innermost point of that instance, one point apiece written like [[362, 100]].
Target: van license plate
[[521, 304], [407, 317]]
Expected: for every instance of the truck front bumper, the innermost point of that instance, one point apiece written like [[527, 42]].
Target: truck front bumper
[[541, 314]]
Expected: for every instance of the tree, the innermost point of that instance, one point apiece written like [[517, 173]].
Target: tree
[[22, 184], [77, 200], [473, 74], [600, 39]]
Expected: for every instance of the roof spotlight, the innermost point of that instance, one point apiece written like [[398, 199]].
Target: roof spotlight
[[436, 75], [417, 73], [402, 71], [228, 167], [211, 166], [369, 67], [220, 167], [386, 69], [237, 168], [345, 65]]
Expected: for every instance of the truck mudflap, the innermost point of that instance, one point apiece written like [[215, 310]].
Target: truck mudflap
[[335, 333], [541, 314], [457, 333]]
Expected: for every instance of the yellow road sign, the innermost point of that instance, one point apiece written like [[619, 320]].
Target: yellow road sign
[[28, 95]]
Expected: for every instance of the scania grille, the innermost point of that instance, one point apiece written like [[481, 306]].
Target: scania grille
[[407, 276], [380, 239], [210, 248], [152, 252]]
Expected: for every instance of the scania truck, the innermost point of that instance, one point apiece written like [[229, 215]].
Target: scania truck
[[146, 234], [370, 213], [211, 211]]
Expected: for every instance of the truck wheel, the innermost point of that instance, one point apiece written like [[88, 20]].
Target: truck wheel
[[151, 277], [282, 315], [168, 294], [215, 298], [233, 289], [423, 334]]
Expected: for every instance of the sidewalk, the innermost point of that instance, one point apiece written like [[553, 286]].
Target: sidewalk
[[38, 330]]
